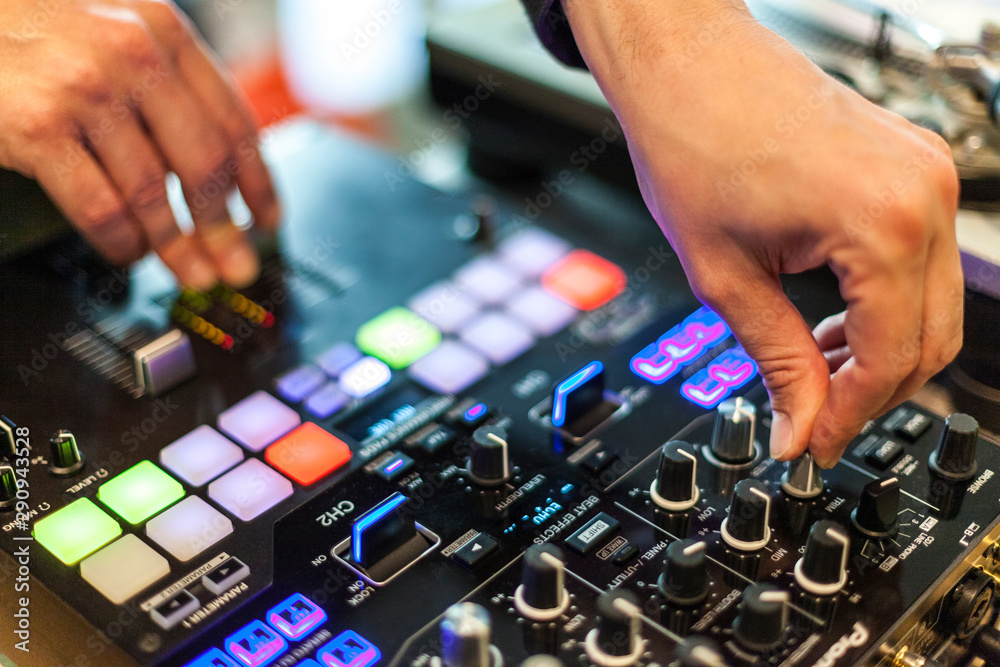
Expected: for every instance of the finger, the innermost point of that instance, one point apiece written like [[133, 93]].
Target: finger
[[837, 357], [829, 333], [136, 167], [227, 245], [85, 194]]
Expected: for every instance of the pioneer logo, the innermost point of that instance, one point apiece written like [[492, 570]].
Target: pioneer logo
[[859, 637]]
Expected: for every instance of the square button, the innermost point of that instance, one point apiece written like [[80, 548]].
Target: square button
[[584, 280], [326, 401], [475, 550], [487, 280], [249, 489], [295, 385], [499, 337], [308, 453], [258, 420], [124, 568], [201, 455], [545, 314], [531, 251], [365, 377], [398, 337], [337, 358], [450, 368], [188, 528], [76, 530], [445, 306], [140, 492]]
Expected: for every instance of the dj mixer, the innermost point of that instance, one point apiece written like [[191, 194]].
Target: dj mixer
[[434, 434]]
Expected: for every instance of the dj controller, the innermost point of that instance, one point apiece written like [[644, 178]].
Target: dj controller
[[435, 434]]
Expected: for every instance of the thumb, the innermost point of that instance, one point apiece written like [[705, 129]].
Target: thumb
[[791, 365]]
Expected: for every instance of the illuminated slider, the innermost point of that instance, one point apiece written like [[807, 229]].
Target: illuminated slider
[[578, 394], [202, 327], [822, 570], [243, 306], [542, 594], [746, 528]]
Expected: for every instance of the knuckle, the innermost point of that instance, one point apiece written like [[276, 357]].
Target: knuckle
[[210, 171], [102, 216], [90, 82], [136, 45], [40, 125], [150, 194]]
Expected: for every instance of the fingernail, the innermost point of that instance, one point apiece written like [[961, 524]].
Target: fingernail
[[200, 275], [782, 434], [240, 266]]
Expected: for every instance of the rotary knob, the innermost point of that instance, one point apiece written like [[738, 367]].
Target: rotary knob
[[675, 488], [66, 457], [878, 508], [616, 641], [822, 570], [746, 528], [684, 581], [700, 652], [489, 463], [542, 594], [802, 479], [760, 625], [8, 487], [955, 456], [465, 636], [734, 432]]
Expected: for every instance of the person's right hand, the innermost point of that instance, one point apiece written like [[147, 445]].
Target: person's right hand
[[100, 100]]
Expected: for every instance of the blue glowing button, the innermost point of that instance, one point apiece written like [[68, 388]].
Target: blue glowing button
[[578, 394], [501, 338], [348, 649], [365, 377], [381, 530], [450, 368], [327, 401], [475, 415], [255, 645], [295, 616], [295, 385], [680, 346], [308, 662], [212, 658], [258, 420], [713, 384], [394, 466], [335, 360]]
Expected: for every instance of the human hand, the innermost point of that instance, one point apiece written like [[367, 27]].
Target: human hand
[[755, 163], [100, 99]]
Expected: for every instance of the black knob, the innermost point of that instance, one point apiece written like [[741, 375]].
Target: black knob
[[760, 625], [8, 487], [955, 456], [699, 652], [746, 528], [542, 594], [684, 581], [465, 636], [617, 633], [8, 443], [489, 464], [822, 570], [877, 513], [675, 488], [66, 457], [734, 432], [802, 479]]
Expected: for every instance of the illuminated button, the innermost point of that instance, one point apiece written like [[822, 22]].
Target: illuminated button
[[531, 251], [545, 314], [76, 530], [188, 528], [578, 394], [308, 662], [444, 306], [327, 400], [295, 385], [295, 616], [201, 455], [255, 644], [140, 492], [249, 489], [123, 568], [366, 376], [584, 280], [499, 337], [381, 530], [258, 420], [475, 415], [398, 337], [394, 466], [449, 369], [487, 280], [337, 358], [308, 453], [212, 658], [348, 649]]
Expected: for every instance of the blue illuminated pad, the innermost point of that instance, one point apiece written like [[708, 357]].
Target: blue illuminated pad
[[255, 645], [295, 616], [679, 346], [716, 382], [212, 658], [348, 649]]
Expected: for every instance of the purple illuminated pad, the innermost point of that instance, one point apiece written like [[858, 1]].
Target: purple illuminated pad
[[201, 455], [487, 280], [249, 489], [450, 368], [713, 384], [337, 358], [295, 616], [295, 385], [545, 314], [348, 649], [531, 251], [498, 336], [365, 377], [679, 346], [444, 306], [258, 420], [327, 400], [255, 644]]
